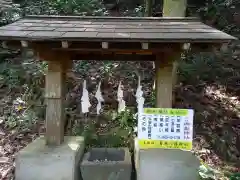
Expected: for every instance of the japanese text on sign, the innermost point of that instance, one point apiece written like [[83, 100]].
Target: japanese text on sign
[[166, 111], [166, 144], [165, 128]]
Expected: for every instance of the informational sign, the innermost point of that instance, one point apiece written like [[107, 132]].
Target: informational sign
[[165, 128]]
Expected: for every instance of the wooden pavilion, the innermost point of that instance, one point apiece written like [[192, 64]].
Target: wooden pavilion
[[59, 40]]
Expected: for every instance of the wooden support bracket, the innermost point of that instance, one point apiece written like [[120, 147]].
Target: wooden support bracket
[[145, 46], [105, 45], [24, 44], [65, 44], [4, 45]]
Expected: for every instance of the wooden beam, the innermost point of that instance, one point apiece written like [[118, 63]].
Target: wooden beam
[[97, 18], [11, 44], [107, 46], [196, 47], [114, 57], [55, 96], [109, 50], [130, 47]]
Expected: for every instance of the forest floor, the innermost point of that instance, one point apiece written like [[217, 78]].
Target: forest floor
[[210, 84]]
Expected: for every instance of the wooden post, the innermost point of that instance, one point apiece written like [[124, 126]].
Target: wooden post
[[164, 80], [55, 97], [164, 87], [174, 8]]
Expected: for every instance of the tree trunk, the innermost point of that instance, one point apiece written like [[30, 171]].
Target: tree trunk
[[148, 8], [174, 8]]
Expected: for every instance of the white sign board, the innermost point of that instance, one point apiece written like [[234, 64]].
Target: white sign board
[[165, 128]]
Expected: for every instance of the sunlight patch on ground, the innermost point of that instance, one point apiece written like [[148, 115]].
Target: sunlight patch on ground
[[229, 102]]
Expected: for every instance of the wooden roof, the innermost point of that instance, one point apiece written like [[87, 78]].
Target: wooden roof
[[122, 29], [5, 4]]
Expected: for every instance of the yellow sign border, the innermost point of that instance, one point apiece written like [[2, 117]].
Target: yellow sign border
[[164, 144], [166, 111]]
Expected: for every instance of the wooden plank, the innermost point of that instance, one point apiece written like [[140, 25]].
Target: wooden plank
[[128, 26], [109, 50], [14, 33], [113, 46], [116, 26], [184, 36], [122, 29], [62, 25], [54, 21], [48, 34], [13, 28], [118, 30], [114, 57], [109, 18], [142, 21], [83, 22], [165, 30], [29, 24], [123, 45], [99, 30], [146, 23], [118, 37], [165, 37], [149, 28], [80, 34], [31, 20], [98, 24], [88, 26], [70, 29], [114, 35], [40, 29]]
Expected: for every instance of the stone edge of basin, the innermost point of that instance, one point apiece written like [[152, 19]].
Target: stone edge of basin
[[127, 158]]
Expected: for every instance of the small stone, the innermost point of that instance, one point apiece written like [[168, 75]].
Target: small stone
[[1, 120]]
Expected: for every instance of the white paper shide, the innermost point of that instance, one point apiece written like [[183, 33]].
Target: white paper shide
[[121, 102], [99, 98], [85, 102], [139, 97]]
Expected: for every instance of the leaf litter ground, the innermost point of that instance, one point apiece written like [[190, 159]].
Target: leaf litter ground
[[212, 90]]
